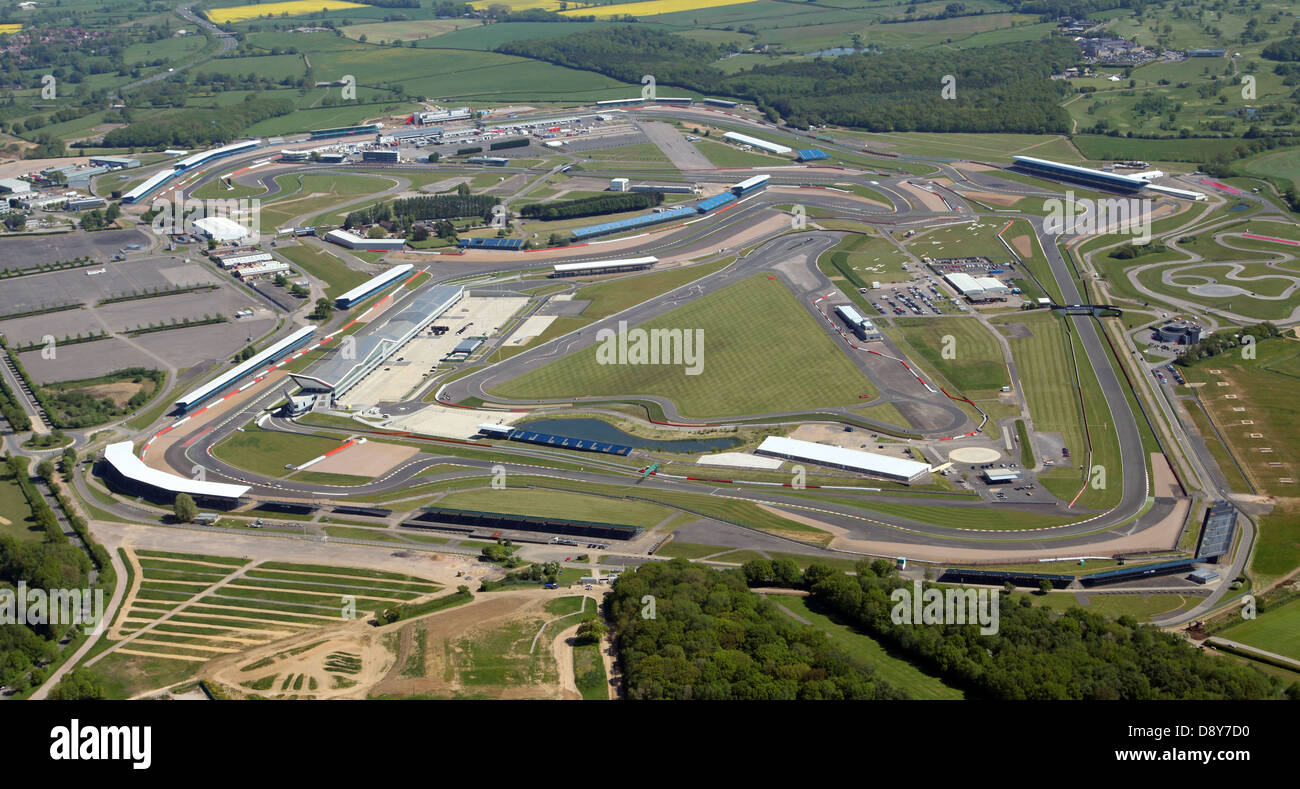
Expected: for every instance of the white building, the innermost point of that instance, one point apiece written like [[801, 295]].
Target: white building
[[965, 285], [763, 145], [262, 269], [882, 466], [992, 287], [618, 184], [220, 229], [353, 241]]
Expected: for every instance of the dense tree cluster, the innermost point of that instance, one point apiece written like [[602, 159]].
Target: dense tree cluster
[[68, 408], [711, 638], [1287, 49], [592, 206], [12, 412], [1037, 653], [998, 89]]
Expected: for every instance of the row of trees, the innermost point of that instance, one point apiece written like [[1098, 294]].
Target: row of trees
[[192, 127], [419, 209], [592, 206]]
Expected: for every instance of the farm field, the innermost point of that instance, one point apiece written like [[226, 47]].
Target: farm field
[[243, 13], [754, 332]]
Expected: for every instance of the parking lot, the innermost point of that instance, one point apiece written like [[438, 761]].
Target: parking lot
[[30, 251], [34, 291]]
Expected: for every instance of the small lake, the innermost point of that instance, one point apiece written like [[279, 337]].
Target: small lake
[[596, 430]]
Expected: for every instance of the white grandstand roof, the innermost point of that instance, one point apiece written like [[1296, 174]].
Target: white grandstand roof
[[867, 462], [122, 457], [757, 143], [203, 156], [376, 282], [243, 368], [599, 264]]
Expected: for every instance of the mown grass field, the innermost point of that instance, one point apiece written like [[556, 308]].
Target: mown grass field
[[977, 367], [336, 274], [266, 452], [613, 296], [557, 504], [755, 333], [1275, 630]]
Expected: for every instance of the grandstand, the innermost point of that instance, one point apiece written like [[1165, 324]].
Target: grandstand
[[811, 154], [1217, 532], [604, 266], [143, 190], [510, 244], [633, 223], [1081, 175], [372, 286], [719, 102], [344, 131], [492, 522], [714, 203], [346, 366], [130, 474], [750, 185], [203, 157], [754, 142], [353, 241], [218, 384], [551, 440]]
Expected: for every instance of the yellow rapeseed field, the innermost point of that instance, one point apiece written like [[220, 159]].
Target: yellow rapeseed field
[[8, 29], [649, 7], [240, 13]]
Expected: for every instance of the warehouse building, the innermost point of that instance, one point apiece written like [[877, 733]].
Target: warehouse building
[[264, 269], [244, 257], [352, 241], [668, 189], [347, 366], [379, 156], [966, 286], [993, 289], [115, 162], [220, 229], [14, 186], [869, 463], [754, 142], [130, 474], [85, 203], [369, 288], [860, 326], [295, 156]]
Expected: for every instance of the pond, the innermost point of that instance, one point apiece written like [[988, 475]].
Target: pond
[[596, 430]]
